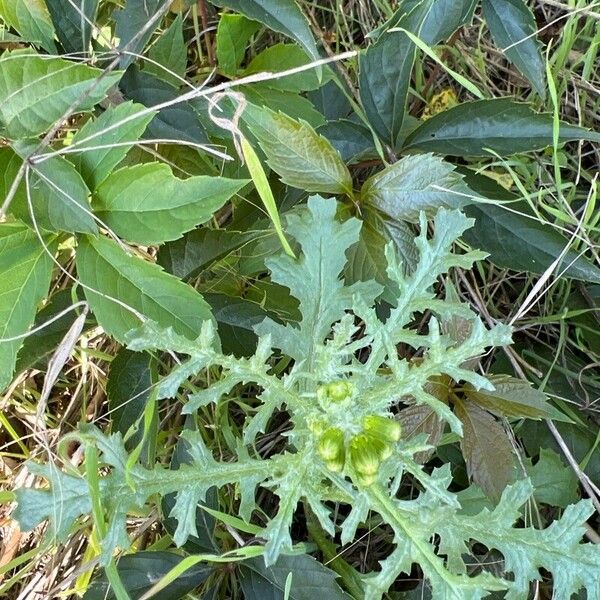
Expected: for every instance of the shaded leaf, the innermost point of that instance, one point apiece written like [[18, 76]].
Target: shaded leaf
[[414, 184], [486, 449], [513, 26], [72, 20], [554, 482], [31, 19], [148, 205], [25, 269], [107, 269], [297, 153], [133, 20], [501, 125], [94, 162], [352, 140], [36, 91], [140, 571], [233, 33], [283, 16], [310, 579], [170, 52], [331, 101]]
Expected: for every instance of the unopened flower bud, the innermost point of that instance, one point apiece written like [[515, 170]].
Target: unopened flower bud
[[385, 429]]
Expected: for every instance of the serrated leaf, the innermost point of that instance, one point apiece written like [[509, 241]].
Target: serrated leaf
[[486, 448], [233, 34], [513, 26], [169, 51], [31, 19], [554, 483], [73, 22], [384, 74], [283, 16], [500, 125], [25, 270], [282, 57], [132, 20], [297, 153], [36, 91], [178, 122], [100, 151], [413, 184], [515, 398], [310, 579], [148, 205], [107, 269], [59, 196], [352, 140]]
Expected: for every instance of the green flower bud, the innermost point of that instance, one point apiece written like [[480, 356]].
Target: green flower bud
[[337, 391], [384, 449], [363, 455], [366, 480], [335, 466], [383, 428], [331, 445]]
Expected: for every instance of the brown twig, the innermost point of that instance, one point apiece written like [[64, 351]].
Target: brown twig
[[208, 38]]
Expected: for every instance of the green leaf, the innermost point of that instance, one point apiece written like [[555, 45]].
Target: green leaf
[[486, 448], [73, 22], [515, 238], [128, 390], [107, 269], [515, 398], [59, 196], [178, 122], [414, 184], [36, 91], [500, 125], [310, 579], [297, 153], [554, 483], [199, 249], [384, 76], [31, 19], [352, 140], [513, 26], [233, 34], [96, 157], [130, 21], [140, 571], [282, 16], [25, 269], [170, 52], [282, 57], [148, 205]]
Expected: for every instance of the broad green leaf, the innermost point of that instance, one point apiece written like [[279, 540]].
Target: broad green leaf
[[59, 196], [25, 270], [36, 91], [384, 77], [486, 448], [119, 280], [515, 398], [554, 483], [140, 571], [39, 345], [199, 249], [233, 33], [500, 125], [310, 579], [73, 22], [331, 101], [31, 19], [513, 26], [282, 57], [297, 153], [289, 103], [169, 51], [99, 151], [352, 140], [177, 122], [283, 16], [128, 390], [132, 20], [413, 184], [148, 205]]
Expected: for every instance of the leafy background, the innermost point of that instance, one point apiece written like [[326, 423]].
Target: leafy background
[[124, 199]]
